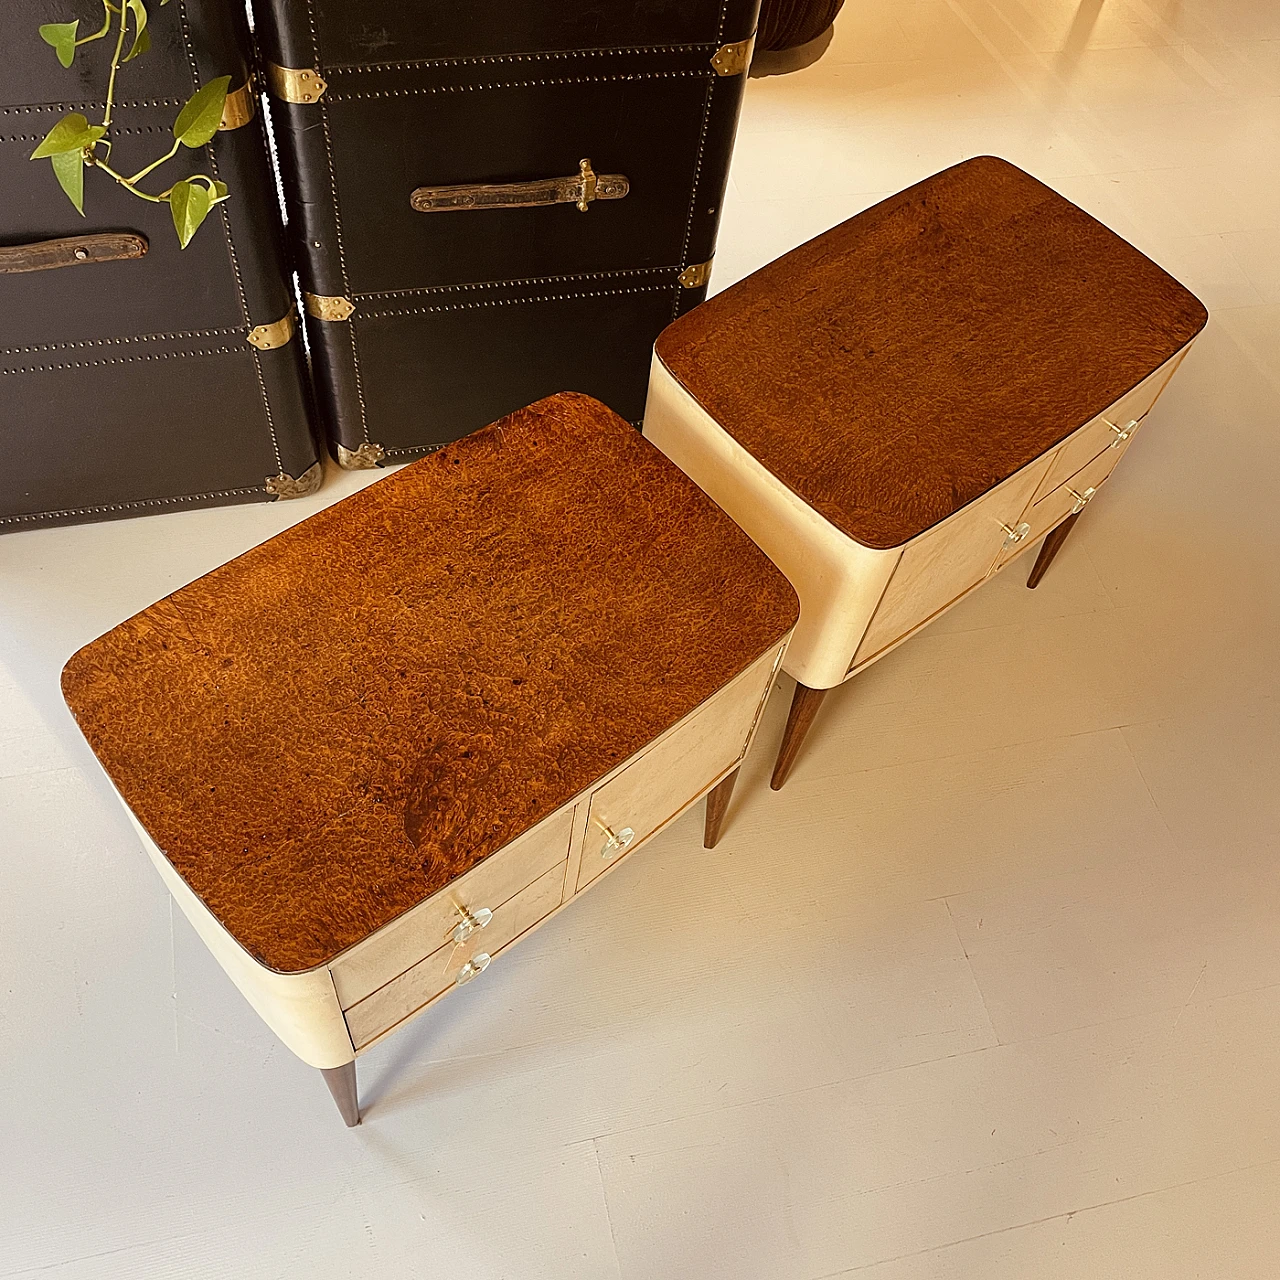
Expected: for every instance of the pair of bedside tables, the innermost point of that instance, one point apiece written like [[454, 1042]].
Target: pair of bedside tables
[[548, 641]]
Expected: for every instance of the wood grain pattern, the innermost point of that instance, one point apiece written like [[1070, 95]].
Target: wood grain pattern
[[425, 928], [436, 973], [670, 775], [717, 806], [897, 367], [804, 708], [946, 562], [1049, 550], [329, 729]]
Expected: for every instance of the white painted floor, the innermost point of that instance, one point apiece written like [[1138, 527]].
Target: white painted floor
[[991, 991]]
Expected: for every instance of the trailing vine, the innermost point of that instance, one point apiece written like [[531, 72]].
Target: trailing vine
[[74, 145]]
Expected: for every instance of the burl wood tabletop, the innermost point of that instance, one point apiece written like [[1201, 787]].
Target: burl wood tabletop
[[330, 728], [898, 366]]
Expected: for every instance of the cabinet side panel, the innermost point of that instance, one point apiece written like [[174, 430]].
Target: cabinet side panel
[[838, 581], [301, 1008]]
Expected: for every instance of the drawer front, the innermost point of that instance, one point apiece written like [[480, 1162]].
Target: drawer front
[[943, 563], [437, 973], [426, 928], [668, 777], [1109, 431], [1067, 499]]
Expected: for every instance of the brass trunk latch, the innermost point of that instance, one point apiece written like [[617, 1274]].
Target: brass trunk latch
[[582, 189]]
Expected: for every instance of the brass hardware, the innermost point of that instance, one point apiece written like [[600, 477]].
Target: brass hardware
[[367, 456], [239, 107], [266, 337], [1015, 535], [324, 307], [291, 84], [476, 965], [285, 486], [587, 175], [45, 255], [697, 275], [1082, 499], [733, 59], [470, 922], [615, 841], [582, 188], [1122, 433]]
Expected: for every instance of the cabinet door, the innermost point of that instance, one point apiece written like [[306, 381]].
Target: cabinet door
[[944, 562], [668, 777]]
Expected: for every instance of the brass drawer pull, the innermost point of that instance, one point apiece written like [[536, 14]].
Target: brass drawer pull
[[615, 841], [1082, 499], [471, 922], [1013, 536], [71, 251], [473, 968], [1122, 433], [582, 188]]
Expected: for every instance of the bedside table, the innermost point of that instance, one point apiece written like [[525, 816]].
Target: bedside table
[[375, 751], [900, 407]]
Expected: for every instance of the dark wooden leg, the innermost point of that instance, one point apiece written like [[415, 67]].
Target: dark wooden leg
[[804, 706], [717, 807], [1050, 548], [342, 1084]]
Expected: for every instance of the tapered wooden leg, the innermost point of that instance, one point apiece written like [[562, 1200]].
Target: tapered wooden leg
[[804, 706], [1050, 548], [717, 807], [342, 1084]]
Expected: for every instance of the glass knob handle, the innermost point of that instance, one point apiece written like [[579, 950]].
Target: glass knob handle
[[1012, 536], [615, 841], [470, 922], [1122, 433], [1082, 499], [475, 966]]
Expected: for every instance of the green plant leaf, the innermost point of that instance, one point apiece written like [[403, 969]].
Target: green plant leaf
[[198, 121], [62, 36], [190, 205], [71, 133], [68, 168], [142, 37]]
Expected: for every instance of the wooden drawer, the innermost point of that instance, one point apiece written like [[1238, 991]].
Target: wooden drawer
[[437, 973], [1111, 430], [1055, 506], [669, 776], [946, 561], [423, 930]]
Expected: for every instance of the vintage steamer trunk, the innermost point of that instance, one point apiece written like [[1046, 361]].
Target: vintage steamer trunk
[[493, 202], [136, 377]]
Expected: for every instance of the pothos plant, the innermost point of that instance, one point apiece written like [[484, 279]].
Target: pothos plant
[[74, 145]]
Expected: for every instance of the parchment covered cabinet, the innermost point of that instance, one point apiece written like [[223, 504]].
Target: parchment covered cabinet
[[899, 408], [548, 643]]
